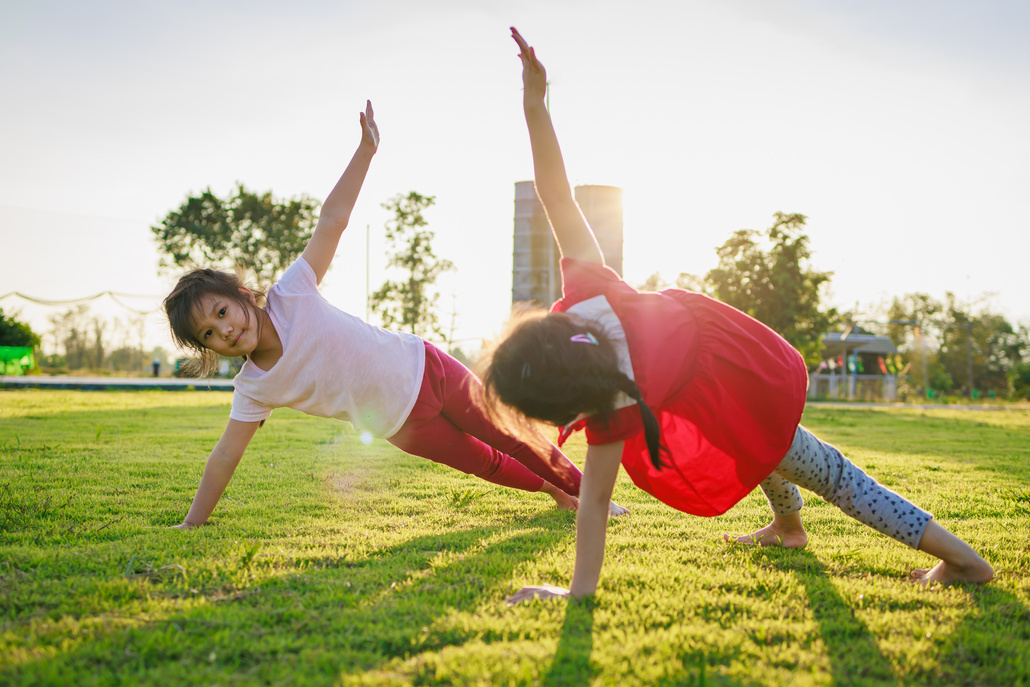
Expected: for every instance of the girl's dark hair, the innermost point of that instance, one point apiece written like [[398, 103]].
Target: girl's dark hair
[[180, 306], [541, 373]]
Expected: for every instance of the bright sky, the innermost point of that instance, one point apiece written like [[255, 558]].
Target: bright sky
[[898, 127]]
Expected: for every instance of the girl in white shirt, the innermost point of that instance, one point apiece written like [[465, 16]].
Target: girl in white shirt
[[304, 353]]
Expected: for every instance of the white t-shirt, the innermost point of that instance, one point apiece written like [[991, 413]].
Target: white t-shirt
[[333, 364], [599, 311]]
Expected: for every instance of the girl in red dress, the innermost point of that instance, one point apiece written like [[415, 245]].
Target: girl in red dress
[[698, 401]]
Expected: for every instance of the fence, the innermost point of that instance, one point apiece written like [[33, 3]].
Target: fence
[[853, 387]]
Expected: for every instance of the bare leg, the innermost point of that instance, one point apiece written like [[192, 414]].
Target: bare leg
[[568, 502], [785, 530], [959, 563]]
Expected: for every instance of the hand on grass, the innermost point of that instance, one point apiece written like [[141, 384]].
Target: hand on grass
[[543, 591]]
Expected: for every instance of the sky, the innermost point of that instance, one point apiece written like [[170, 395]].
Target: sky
[[898, 128]]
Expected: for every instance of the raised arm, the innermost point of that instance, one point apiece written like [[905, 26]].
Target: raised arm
[[571, 230], [221, 465], [595, 493], [336, 209]]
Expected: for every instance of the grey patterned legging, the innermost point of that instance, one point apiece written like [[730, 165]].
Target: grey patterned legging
[[821, 468]]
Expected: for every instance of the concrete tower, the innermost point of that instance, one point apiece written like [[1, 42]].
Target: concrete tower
[[536, 275], [602, 206]]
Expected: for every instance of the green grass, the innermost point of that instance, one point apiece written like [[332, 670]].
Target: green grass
[[329, 562]]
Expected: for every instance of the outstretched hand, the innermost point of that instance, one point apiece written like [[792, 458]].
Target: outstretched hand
[[534, 76], [369, 130], [543, 591]]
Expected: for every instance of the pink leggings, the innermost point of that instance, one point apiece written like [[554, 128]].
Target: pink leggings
[[447, 427]]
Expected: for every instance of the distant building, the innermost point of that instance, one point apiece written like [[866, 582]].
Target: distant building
[[536, 274], [855, 366]]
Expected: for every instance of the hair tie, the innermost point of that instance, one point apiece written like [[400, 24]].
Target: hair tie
[[586, 337], [525, 371]]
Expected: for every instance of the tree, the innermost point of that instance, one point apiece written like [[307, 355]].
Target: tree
[[775, 286], [409, 303], [978, 350], [15, 333], [951, 348], [126, 359], [686, 281], [257, 232], [1019, 381], [81, 335], [914, 325]]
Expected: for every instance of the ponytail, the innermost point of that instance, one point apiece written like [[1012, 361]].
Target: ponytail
[[652, 432]]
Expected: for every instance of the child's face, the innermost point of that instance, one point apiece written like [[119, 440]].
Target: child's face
[[226, 326]]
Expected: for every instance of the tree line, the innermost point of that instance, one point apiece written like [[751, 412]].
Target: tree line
[[80, 340], [258, 236], [945, 346]]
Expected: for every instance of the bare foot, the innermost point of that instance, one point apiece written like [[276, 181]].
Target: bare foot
[[784, 530], [561, 499], [944, 573], [959, 562], [565, 501]]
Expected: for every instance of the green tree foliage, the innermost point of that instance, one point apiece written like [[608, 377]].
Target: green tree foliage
[[952, 348], [774, 284], [653, 283], [15, 333], [979, 349], [685, 281], [409, 302], [259, 233], [914, 326], [912, 316], [1019, 380]]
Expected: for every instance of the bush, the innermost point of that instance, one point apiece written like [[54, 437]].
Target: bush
[[1019, 381], [15, 333]]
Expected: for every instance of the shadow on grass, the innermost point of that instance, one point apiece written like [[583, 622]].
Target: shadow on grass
[[571, 665], [851, 648], [990, 646], [337, 618]]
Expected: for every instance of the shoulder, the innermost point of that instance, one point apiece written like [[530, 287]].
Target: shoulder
[[573, 269], [298, 278], [582, 280]]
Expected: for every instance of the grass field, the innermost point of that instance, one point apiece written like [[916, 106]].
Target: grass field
[[329, 562]]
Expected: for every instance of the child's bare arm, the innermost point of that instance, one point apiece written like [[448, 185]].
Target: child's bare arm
[[221, 465], [599, 473], [336, 210], [571, 231]]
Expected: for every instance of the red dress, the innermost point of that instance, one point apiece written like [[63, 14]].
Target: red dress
[[728, 391]]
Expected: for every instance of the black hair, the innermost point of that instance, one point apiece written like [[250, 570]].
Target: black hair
[[180, 307], [547, 368]]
